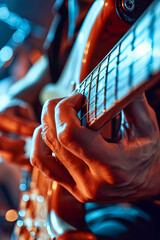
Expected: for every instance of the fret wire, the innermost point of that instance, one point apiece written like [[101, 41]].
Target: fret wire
[[96, 94], [98, 66], [144, 70], [95, 109], [91, 105], [94, 78], [90, 82], [105, 87], [88, 111], [151, 37], [130, 65], [84, 83], [106, 79], [84, 105], [87, 107], [132, 29], [117, 71], [92, 73]]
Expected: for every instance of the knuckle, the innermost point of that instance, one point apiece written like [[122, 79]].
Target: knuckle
[[59, 108], [47, 109], [66, 135]]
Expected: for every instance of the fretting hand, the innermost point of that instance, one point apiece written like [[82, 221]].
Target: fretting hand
[[90, 168]]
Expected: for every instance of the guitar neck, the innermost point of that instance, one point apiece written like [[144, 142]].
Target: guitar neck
[[130, 68]]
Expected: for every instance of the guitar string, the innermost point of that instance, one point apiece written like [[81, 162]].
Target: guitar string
[[137, 75], [78, 89], [90, 75], [96, 93], [108, 63], [105, 67]]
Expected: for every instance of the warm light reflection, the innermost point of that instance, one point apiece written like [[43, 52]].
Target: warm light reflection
[[54, 185], [35, 55], [11, 215]]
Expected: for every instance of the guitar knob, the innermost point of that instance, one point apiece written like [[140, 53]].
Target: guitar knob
[[128, 5], [130, 10]]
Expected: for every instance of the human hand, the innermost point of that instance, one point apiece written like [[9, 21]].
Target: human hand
[[90, 168], [17, 122]]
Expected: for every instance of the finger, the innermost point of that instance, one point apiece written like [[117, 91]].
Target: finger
[[17, 125], [75, 166], [47, 115], [42, 158], [78, 148], [67, 123], [48, 125], [66, 112], [84, 143]]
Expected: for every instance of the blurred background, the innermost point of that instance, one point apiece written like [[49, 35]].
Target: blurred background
[[24, 26]]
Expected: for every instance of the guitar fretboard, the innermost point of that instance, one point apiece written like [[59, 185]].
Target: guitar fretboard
[[131, 63]]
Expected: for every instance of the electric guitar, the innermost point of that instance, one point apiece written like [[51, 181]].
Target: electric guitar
[[129, 68]]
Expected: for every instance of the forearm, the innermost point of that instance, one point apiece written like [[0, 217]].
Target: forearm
[[29, 87]]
